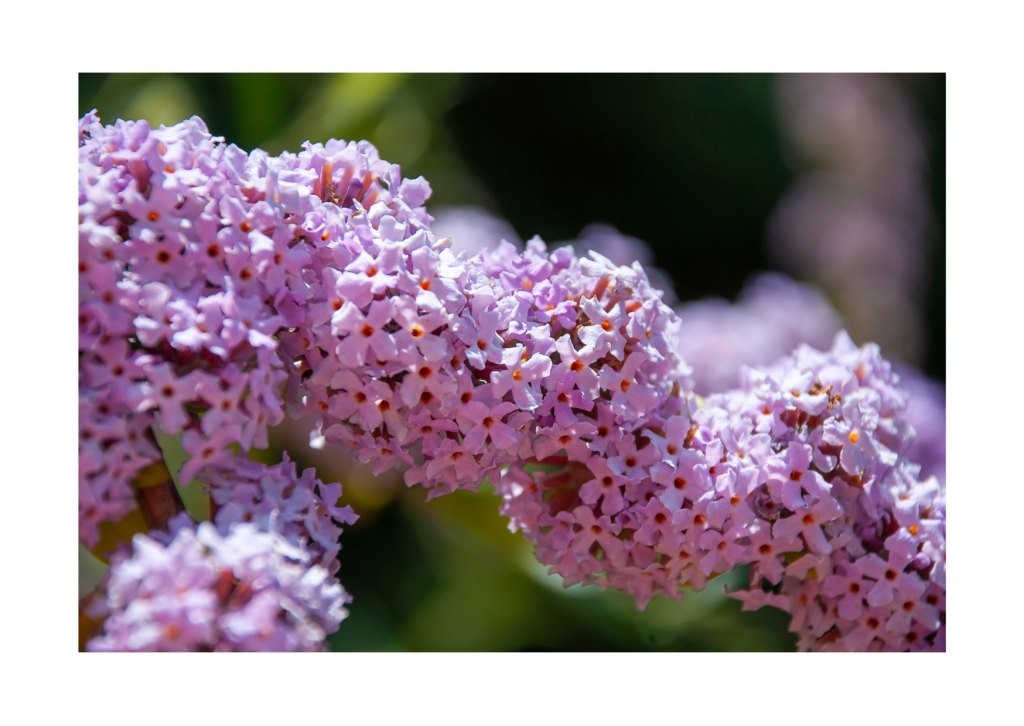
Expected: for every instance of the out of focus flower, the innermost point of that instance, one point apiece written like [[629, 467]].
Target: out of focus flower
[[772, 316], [302, 508], [926, 412], [859, 219], [472, 229], [249, 591]]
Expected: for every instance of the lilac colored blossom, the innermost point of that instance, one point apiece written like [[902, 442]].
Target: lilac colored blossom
[[500, 364], [318, 274], [304, 509], [248, 591], [773, 315], [800, 472], [190, 267]]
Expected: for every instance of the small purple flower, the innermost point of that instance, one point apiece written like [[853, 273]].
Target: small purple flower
[[599, 530], [165, 391], [807, 521], [364, 331], [568, 438], [519, 376], [606, 485], [482, 424], [602, 334], [764, 550]]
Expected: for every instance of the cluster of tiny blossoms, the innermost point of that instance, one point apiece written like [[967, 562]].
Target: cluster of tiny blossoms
[[226, 277], [188, 269], [871, 570], [249, 591], [459, 367], [799, 473]]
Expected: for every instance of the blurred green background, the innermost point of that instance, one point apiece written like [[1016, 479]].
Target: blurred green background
[[693, 165]]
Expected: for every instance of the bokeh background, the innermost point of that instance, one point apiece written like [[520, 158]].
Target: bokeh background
[[837, 181]]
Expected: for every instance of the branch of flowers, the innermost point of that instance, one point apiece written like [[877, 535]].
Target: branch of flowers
[[462, 368]]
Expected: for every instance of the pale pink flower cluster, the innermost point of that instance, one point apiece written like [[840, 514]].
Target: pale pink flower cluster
[[226, 287], [251, 590], [799, 473], [457, 367]]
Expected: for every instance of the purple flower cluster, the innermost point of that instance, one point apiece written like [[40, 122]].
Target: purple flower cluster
[[220, 288], [799, 473], [459, 367], [299, 507], [188, 269], [772, 316], [249, 591]]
